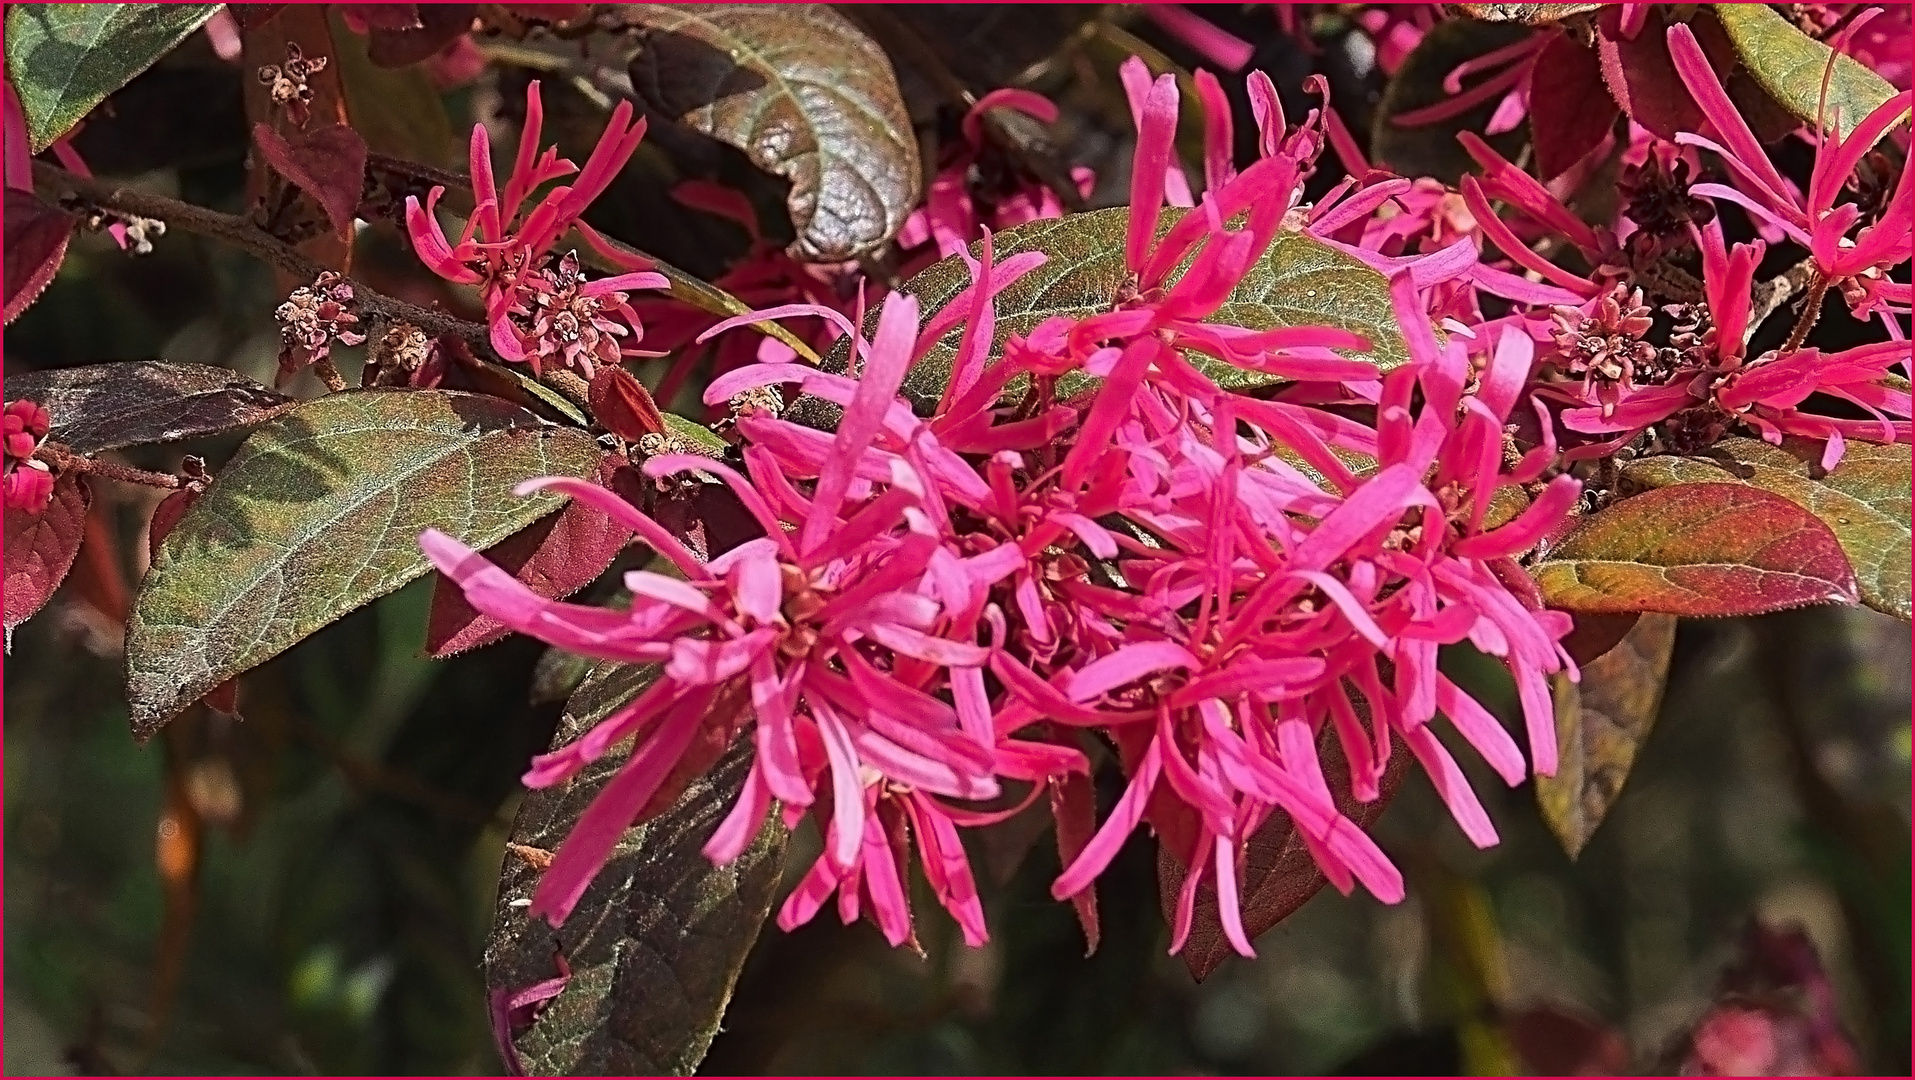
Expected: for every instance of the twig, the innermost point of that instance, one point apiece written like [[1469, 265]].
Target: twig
[[63, 460], [238, 231], [1811, 314], [1778, 290]]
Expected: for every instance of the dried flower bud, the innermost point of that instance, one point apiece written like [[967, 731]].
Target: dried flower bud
[[312, 319], [288, 82]]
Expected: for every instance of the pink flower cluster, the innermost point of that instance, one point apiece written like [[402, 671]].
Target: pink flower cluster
[[1086, 542], [541, 310]]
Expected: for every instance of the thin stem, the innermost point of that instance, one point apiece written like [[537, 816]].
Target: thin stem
[[64, 460], [1778, 290], [1811, 314], [238, 231]]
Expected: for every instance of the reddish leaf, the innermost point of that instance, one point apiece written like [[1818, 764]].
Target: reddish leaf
[[1570, 110], [436, 26], [1642, 76], [40, 548], [1594, 635], [168, 514], [1278, 874], [1698, 549], [623, 406], [1074, 808], [555, 557], [36, 239], [328, 163]]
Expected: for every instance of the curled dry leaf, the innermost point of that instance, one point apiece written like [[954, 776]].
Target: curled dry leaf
[[1601, 723], [806, 95]]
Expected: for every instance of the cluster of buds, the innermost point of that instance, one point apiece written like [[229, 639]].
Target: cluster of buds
[[29, 482], [312, 320]]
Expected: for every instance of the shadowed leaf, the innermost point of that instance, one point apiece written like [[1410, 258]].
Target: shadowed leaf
[[63, 59], [397, 110], [1600, 724], [1864, 501], [1431, 149], [657, 941], [1698, 550], [36, 241], [109, 406], [319, 513], [1789, 64], [40, 548], [1641, 74], [801, 91]]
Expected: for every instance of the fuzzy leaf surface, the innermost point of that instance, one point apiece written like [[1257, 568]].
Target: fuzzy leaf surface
[[657, 942], [1865, 500], [63, 59], [98, 407], [41, 547], [1789, 65], [1697, 550], [319, 513], [1600, 724]]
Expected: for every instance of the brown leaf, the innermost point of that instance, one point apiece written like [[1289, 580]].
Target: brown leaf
[[1567, 90], [1074, 809], [36, 240], [98, 407], [1594, 635], [1600, 724], [41, 547], [805, 95], [328, 163], [433, 27], [1641, 74]]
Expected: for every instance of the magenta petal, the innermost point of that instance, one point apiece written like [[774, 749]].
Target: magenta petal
[[593, 837]]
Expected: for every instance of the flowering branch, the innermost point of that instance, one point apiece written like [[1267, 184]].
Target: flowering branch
[[61, 185]]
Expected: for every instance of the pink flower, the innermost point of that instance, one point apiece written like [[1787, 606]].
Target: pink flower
[[824, 625], [963, 201], [1858, 264], [540, 313], [29, 482]]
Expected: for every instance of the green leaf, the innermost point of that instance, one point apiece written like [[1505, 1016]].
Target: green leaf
[[1600, 724], [805, 94], [1431, 149], [63, 59], [1698, 550], [1865, 501], [657, 941], [98, 407], [1299, 282], [320, 512], [1789, 64]]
